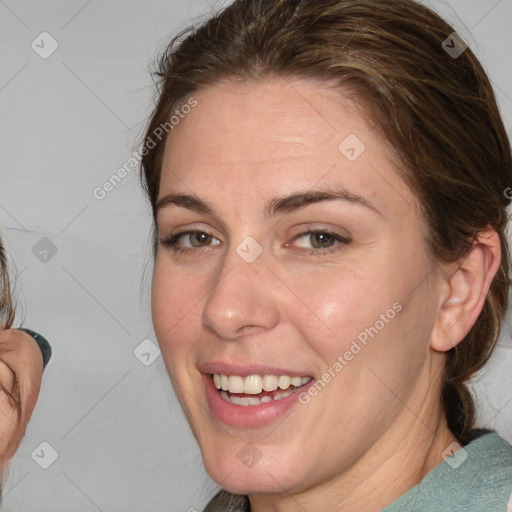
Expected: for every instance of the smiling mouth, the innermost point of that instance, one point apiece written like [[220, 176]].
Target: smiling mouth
[[257, 389]]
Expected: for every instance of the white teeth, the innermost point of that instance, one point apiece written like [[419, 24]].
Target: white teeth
[[284, 381], [253, 400], [235, 384], [270, 382], [234, 399], [255, 384], [296, 381]]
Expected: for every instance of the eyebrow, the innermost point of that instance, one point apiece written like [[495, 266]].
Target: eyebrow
[[285, 204]]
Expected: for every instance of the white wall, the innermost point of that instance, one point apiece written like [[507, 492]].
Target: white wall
[[67, 123]]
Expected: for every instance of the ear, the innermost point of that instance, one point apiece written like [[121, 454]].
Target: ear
[[466, 285]]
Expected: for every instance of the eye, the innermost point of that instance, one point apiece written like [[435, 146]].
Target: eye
[[196, 240], [322, 241]]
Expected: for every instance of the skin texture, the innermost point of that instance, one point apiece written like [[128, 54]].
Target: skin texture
[[20, 356], [298, 309]]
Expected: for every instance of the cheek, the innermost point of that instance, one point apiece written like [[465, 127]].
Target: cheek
[[369, 318], [340, 305], [175, 306]]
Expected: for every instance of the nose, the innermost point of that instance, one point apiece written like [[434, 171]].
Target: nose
[[243, 298]]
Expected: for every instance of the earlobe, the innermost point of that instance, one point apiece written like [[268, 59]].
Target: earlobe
[[467, 287]]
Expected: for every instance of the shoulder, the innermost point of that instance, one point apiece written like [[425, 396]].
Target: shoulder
[[493, 459], [477, 477]]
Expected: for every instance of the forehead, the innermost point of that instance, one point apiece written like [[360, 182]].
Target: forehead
[[279, 112], [278, 136]]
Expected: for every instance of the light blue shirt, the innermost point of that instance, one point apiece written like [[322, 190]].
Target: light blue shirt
[[477, 478]]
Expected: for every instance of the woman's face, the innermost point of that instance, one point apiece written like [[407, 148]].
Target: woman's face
[[254, 294]]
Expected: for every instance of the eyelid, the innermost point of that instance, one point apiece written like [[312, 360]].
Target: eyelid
[[176, 235], [319, 227], [334, 234], [341, 241], [186, 228]]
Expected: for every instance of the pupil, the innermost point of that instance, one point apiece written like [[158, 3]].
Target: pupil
[[202, 237], [322, 239]]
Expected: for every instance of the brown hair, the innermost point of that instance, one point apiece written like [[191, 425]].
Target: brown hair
[[438, 114], [6, 303]]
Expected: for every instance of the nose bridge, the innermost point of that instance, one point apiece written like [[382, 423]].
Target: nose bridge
[[240, 294]]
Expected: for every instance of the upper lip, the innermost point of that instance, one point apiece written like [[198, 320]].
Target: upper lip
[[224, 368]]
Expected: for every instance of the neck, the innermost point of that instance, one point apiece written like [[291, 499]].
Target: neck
[[398, 461]]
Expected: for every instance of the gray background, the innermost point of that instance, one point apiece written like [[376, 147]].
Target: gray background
[[68, 122]]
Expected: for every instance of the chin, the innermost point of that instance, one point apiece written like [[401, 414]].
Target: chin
[[250, 476], [250, 483]]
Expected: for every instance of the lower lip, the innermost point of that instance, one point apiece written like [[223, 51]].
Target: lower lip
[[248, 416]]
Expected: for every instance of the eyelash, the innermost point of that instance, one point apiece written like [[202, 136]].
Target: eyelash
[[172, 241]]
